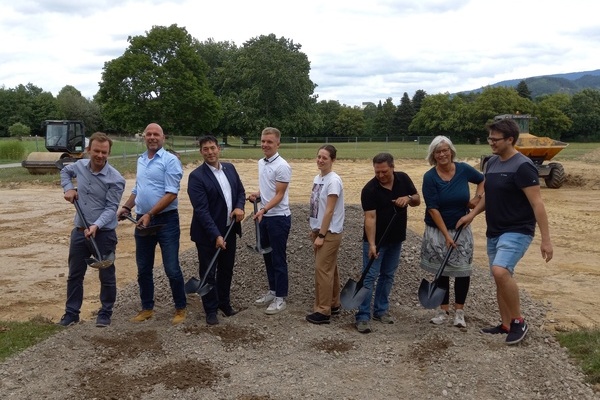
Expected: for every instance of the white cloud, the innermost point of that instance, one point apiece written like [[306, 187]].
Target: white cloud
[[359, 51]]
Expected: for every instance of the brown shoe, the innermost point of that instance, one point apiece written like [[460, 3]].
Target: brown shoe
[[179, 316], [143, 316]]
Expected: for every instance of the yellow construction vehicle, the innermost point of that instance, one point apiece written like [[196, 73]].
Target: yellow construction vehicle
[[65, 141], [538, 149]]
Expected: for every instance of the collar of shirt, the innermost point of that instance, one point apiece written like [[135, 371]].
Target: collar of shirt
[[273, 158]]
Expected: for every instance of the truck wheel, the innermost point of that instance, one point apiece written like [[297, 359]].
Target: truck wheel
[[556, 178]]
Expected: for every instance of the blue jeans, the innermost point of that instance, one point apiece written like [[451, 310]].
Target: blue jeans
[[79, 249], [274, 232], [382, 270], [168, 240]]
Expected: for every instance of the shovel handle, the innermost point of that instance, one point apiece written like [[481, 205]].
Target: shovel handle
[[214, 259], [448, 253], [82, 217]]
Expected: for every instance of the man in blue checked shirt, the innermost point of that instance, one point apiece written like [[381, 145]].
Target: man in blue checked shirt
[[100, 188]]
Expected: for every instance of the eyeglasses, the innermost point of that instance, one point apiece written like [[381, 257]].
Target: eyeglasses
[[442, 151], [492, 140]]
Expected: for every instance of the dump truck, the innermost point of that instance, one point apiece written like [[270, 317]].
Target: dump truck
[[64, 139], [538, 149]]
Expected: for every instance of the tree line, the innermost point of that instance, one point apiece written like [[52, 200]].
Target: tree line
[[192, 88]]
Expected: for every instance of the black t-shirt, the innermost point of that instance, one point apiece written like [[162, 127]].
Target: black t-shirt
[[376, 197], [507, 209]]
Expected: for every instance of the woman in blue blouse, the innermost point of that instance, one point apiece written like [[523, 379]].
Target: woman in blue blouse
[[447, 197]]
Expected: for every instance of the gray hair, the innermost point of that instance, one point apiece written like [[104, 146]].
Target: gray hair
[[434, 145]]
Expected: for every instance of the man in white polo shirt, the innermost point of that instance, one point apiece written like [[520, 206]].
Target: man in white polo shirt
[[275, 220]]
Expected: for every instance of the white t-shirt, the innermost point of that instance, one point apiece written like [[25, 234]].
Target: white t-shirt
[[269, 173], [324, 186]]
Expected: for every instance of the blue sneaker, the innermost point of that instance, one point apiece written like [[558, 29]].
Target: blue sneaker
[[68, 320], [518, 330], [102, 321]]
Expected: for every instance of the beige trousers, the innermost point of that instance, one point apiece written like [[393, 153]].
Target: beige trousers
[[327, 278]]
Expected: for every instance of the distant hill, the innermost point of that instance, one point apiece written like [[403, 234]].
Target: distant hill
[[570, 83]]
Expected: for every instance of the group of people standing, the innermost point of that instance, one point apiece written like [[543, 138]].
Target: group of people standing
[[510, 183]]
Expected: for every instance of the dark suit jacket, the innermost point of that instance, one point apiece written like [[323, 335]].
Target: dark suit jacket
[[210, 210]]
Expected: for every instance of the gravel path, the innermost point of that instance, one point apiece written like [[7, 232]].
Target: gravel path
[[255, 356]]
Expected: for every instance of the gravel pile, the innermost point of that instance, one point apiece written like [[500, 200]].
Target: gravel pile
[[255, 356]]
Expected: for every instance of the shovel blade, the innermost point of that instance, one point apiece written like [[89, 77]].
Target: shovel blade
[[192, 285], [265, 251], [150, 230], [352, 295], [204, 289], [430, 295], [92, 262]]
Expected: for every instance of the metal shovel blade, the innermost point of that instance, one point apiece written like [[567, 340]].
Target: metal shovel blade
[[352, 295], [144, 230], [192, 285], [430, 295], [101, 264]]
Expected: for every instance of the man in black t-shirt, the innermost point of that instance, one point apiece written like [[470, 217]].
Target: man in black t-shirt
[[387, 193], [513, 204]]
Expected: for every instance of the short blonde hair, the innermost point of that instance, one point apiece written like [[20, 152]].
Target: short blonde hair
[[271, 131], [434, 145]]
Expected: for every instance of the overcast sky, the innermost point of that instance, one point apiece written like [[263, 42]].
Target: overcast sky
[[359, 50]]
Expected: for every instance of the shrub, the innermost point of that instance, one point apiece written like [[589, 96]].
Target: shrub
[[12, 150]]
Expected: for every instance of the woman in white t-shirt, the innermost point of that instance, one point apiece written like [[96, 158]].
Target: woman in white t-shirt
[[326, 224]]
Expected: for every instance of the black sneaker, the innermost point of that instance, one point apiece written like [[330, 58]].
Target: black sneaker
[[317, 318], [518, 330], [68, 320], [494, 330], [102, 321], [336, 310], [211, 319]]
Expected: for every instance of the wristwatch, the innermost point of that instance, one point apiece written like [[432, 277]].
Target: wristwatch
[[410, 197], [321, 236]]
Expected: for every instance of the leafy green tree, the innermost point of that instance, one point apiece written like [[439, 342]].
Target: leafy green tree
[[328, 111], [219, 56], [72, 105], [369, 116], [523, 90], [404, 115], [417, 100], [27, 104], [160, 78], [269, 81], [551, 111], [19, 130], [350, 122], [384, 121], [498, 100], [585, 115]]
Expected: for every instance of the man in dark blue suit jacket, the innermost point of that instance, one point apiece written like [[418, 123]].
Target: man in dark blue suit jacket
[[218, 197]]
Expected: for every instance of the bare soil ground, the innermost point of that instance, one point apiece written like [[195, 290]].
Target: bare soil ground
[[254, 356], [35, 223]]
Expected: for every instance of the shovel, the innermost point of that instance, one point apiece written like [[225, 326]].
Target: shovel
[[94, 262], [193, 285], [430, 294], [143, 230], [354, 293], [258, 247]]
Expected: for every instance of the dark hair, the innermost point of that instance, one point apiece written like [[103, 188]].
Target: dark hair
[[507, 127], [100, 137], [330, 149], [384, 158], [207, 138]]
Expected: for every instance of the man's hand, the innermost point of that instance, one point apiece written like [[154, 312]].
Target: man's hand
[[71, 195]]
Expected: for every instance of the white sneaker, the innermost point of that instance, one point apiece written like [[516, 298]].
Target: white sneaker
[[276, 306], [440, 318], [266, 299], [459, 319]]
